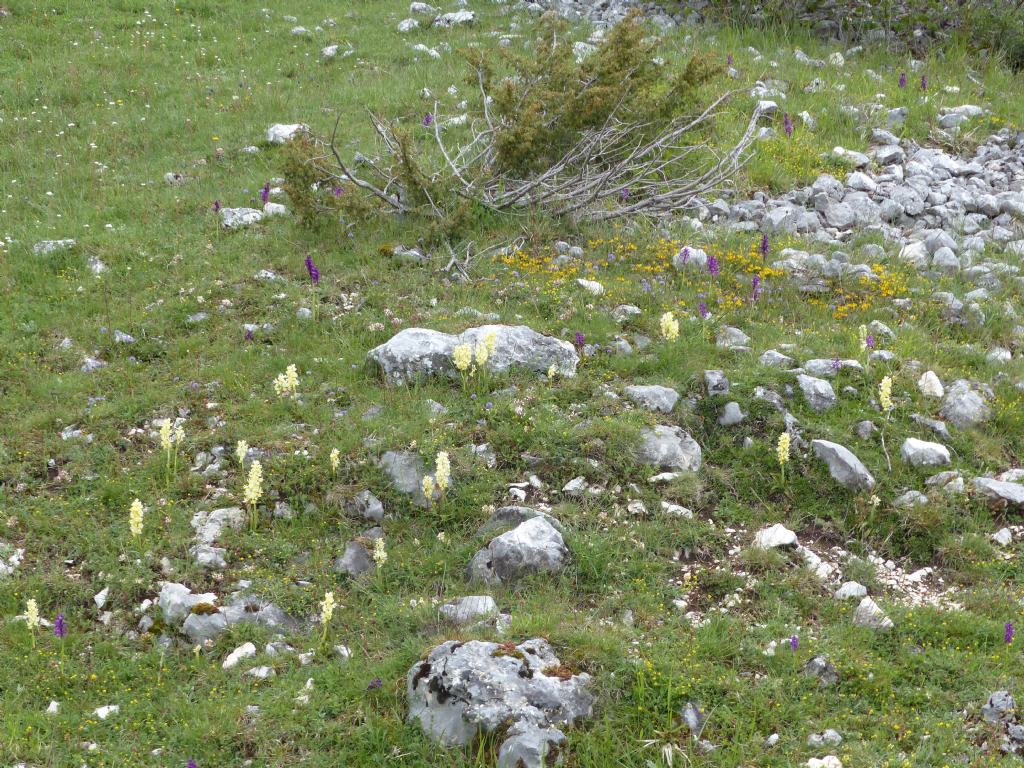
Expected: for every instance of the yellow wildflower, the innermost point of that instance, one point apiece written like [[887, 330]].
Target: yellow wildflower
[[135, 514]]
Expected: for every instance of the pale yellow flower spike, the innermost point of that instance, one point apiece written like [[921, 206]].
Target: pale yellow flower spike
[[885, 394], [135, 517], [165, 435], [241, 451], [254, 484], [669, 326], [428, 487], [327, 608], [782, 448], [32, 613], [335, 460], [462, 356], [443, 474]]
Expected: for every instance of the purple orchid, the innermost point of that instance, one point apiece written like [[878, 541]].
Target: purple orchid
[[60, 628], [729, 59], [837, 364], [794, 642], [265, 192], [375, 684], [765, 245], [1008, 633], [248, 334], [787, 124], [624, 194], [869, 341], [314, 273], [428, 120], [216, 206], [192, 764], [702, 310], [755, 287], [903, 79], [685, 253], [580, 339], [924, 83], [713, 268]]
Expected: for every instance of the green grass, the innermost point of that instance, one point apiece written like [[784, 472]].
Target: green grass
[[101, 100]]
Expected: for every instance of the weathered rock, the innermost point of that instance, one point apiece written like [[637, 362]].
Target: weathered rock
[[466, 610], [653, 397], [177, 601], [930, 385], [920, 453], [823, 670], [964, 405], [355, 561], [868, 614], [238, 218], [731, 415], [775, 536], [532, 547], [464, 689], [669, 448], [851, 589], [506, 518], [406, 470], [1001, 492], [844, 467], [716, 383], [819, 393], [46, 247], [282, 133], [366, 505], [209, 525], [420, 352]]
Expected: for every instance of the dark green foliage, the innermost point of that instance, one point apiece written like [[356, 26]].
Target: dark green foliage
[[551, 98]]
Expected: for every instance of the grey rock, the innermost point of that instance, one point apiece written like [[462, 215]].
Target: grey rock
[[466, 610], [624, 312], [669, 448], [868, 614], [46, 247], [208, 525], [406, 470], [732, 338], [775, 536], [920, 453], [653, 397], [965, 404], [355, 561], [690, 257], [999, 491], [506, 518], [910, 499], [534, 546], [464, 689], [823, 670], [827, 738], [239, 218], [177, 601], [775, 359], [716, 383], [366, 505], [528, 746], [200, 627], [414, 353], [844, 467], [1000, 707], [851, 589], [818, 393], [731, 415], [865, 429], [281, 133]]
